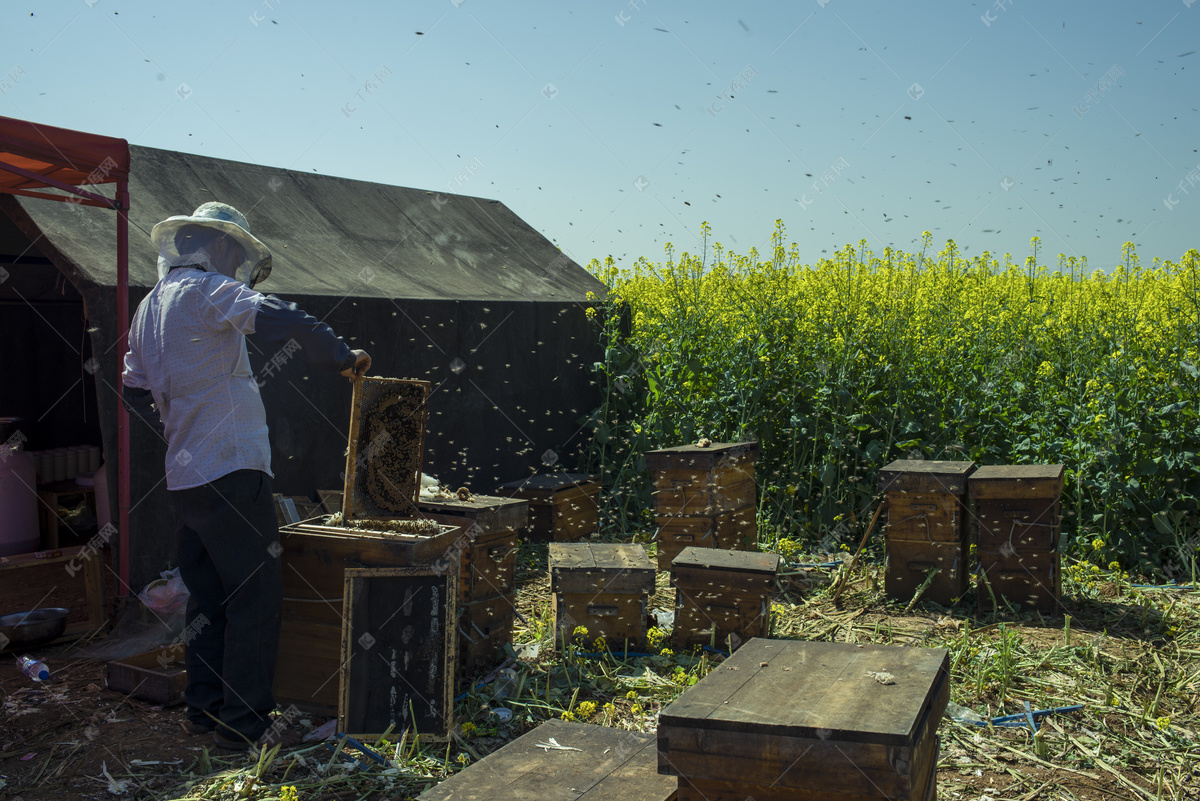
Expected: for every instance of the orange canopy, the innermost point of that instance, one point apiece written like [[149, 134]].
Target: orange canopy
[[34, 156]]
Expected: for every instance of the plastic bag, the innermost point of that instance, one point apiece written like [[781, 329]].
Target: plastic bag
[[166, 595]]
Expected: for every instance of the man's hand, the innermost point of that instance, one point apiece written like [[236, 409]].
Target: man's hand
[[362, 363]]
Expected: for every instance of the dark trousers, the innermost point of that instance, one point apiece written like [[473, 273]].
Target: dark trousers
[[229, 560]]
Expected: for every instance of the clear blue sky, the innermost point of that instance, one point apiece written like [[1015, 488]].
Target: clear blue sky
[[614, 127]]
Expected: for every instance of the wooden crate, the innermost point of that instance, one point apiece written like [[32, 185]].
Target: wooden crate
[[1015, 507], [593, 763], [722, 594], [70, 578], [484, 627], [909, 562], [786, 719], [563, 507], [703, 481], [731, 531], [926, 499], [709, 460], [1017, 518], [159, 676], [489, 527], [314, 562], [1030, 580], [603, 587]]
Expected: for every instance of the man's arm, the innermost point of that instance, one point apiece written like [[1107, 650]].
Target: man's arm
[[279, 321]]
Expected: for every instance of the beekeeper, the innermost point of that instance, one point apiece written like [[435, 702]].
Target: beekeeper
[[187, 368]]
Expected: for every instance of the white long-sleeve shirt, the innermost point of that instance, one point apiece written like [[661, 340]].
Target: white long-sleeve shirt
[[187, 346]]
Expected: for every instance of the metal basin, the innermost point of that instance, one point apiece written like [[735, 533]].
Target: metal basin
[[34, 627]]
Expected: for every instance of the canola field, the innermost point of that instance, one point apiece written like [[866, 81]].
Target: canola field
[[841, 366]]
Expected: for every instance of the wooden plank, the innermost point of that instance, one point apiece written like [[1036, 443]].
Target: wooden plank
[[398, 651], [820, 681], [157, 676], [484, 626], [58, 577], [544, 485], [925, 475], [610, 765]]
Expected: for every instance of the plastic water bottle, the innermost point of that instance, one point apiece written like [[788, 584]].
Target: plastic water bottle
[[961, 714], [34, 669]]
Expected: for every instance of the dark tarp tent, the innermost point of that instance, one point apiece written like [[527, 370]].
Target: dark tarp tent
[[455, 290]]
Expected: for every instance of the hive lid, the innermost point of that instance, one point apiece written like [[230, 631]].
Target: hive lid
[[549, 481], [817, 690], [717, 454], [720, 559], [599, 556], [925, 475], [1017, 481]]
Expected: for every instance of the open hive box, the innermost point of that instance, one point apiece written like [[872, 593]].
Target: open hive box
[[379, 527]]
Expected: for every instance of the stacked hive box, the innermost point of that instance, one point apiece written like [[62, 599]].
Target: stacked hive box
[[812, 721], [315, 558], [703, 497], [925, 530], [487, 541], [1018, 519], [604, 588], [723, 598], [563, 507]]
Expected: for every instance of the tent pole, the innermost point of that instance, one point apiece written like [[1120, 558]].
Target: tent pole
[[122, 204]]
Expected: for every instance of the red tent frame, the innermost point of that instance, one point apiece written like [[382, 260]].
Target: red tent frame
[[35, 158]]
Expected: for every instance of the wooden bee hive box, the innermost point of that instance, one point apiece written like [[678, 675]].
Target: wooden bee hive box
[[812, 721], [315, 558], [489, 527], [590, 763], [926, 503], [1017, 516], [722, 596], [704, 497], [563, 507], [604, 588]]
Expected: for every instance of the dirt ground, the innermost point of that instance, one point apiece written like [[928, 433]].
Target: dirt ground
[[72, 738]]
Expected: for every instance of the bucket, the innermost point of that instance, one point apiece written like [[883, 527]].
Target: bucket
[[18, 504]]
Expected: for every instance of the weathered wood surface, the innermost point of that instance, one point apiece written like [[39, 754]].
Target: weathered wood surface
[[57, 577], [1017, 481], [704, 499], [728, 561], [927, 516], [1032, 579], [909, 562], [314, 562], [484, 626], [1017, 524], [830, 690], [925, 475], [563, 507], [734, 530], [610, 765], [398, 649], [617, 617], [694, 457], [724, 475], [490, 512], [606, 568]]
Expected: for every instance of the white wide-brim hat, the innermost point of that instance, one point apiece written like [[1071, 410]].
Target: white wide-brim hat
[[227, 220]]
